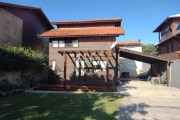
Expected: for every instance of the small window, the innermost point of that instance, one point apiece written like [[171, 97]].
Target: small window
[[172, 47], [120, 66], [167, 49], [131, 66], [68, 43], [177, 26], [75, 43], [54, 43], [61, 43], [53, 65]]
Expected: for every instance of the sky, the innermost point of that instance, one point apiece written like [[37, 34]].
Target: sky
[[139, 17]]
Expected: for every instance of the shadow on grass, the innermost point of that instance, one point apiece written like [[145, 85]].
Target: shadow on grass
[[60, 106]]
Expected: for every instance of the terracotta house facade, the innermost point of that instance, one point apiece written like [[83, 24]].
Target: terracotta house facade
[[169, 36], [80, 51]]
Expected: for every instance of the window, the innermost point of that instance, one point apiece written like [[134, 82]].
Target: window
[[55, 43], [53, 65], [167, 49], [65, 43], [172, 47], [61, 43], [99, 65], [131, 66], [120, 66], [177, 26]]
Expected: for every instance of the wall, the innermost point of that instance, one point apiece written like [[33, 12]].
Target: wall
[[33, 24], [10, 28], [91, 43], [175, 76], [171, 54], [15, 77], [138, 65]]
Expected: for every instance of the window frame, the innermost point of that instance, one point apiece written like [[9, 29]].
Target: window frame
[[74, 44], [178, 25], [167, 49], [172, 47], [53, 67]]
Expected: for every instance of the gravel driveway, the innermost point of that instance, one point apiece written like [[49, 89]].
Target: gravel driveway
[[149, 102]]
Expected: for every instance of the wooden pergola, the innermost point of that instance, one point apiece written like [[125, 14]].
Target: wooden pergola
[[87, 53]]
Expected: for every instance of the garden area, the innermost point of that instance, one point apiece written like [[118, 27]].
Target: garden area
[[31, 106]]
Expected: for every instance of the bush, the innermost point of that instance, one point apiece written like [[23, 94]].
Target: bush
[[21, 58]]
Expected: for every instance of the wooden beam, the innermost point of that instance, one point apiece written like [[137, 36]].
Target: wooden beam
[[65, 69], [117, 64], [107, 72], [168, 73]]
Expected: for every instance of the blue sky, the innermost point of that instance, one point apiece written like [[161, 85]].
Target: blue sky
[[139, 17]]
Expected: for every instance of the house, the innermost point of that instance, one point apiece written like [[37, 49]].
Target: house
[[21, 25], [133, 67], [169, 36], [80, 51], [169, 45]]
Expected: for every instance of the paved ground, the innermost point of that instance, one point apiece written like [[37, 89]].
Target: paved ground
[[149, 102]]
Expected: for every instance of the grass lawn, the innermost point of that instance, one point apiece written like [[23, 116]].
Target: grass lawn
[[32, 106]]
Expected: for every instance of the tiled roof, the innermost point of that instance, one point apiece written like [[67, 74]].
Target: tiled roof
[[88, 21], [168, 20], [83, 32], [128, 43]]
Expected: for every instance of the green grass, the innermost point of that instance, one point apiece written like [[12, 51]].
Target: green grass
[[59, 106]]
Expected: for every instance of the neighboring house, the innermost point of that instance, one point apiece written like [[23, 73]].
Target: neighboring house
[[169, 46], [21, 25], [126, 65], [169, 36], [80, 50]]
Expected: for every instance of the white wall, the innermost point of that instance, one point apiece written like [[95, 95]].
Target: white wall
[[138, 65]]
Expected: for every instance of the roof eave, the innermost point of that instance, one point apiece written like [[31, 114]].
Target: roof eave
[[167, 39], [116, 35]]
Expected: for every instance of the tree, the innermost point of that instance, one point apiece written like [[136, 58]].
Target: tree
[[149, 49]]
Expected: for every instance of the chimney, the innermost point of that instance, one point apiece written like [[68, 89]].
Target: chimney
[[139, 40]]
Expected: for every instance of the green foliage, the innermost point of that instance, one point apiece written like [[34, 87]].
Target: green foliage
[[149, 49], [5, 86], [21, 58]]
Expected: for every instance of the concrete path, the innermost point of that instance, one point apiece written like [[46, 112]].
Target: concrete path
[[145, 101]]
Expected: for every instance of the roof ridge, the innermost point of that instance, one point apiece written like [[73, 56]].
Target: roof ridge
[[89, 20]]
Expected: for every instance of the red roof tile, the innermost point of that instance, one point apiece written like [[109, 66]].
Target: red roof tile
[[83, 32], [128, 43], [88, 21]]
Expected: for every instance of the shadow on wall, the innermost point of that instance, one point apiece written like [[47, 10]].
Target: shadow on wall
[[127, 111]]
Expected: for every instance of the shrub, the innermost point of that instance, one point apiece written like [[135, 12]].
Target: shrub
[[21, 58]]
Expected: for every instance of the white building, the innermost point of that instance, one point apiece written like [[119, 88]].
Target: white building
[[127, 65]]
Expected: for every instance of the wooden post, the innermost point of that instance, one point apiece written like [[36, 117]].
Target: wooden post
[[65, 68], [152, 75], [168, 73], [117, 63], [107, 71]]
